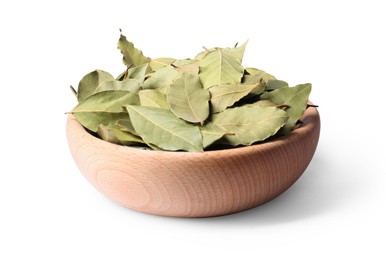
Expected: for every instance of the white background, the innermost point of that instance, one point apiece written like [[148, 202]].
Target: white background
[[335, 211]]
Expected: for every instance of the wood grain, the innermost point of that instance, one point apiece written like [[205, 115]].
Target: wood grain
[[186, 184]]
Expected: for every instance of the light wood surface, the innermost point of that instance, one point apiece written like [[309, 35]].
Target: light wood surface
[[185, 184]]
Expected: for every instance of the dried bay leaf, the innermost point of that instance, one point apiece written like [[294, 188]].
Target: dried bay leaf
[[251, 79], [132, 57], [116, 136], [132, 85], [224, 96], [90, 82], [188, 100], [263, 103], [238, 52], [188, 104], [295, 97], [91, 120], [261, 73], [211, 133], [125, 125], [255, 79], [103, 108], [249, 124], [153, 98], [161, 79], [220, 67], [187, 66], [273, 84], [163, 129], [202, 54], [137, 73], [159, 63]]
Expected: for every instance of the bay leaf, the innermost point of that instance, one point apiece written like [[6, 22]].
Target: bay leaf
[[261, 73], [224, 96], [188, 100], [161, 79], [90, 82], [116, 136], [159, 63], [254, 79], [103, 108], [273, 84], [203, 53], [125, 125], [238, 52], [162, 128], [249, 124], [262, 103], [220, 67], [295, 97], [153, 98], [187, 66], [91, 120], [132, 85], [211, 133], [138, 73], [132, 57]]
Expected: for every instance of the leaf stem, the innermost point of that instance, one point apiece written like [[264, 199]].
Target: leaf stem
[[74, 91], [283, 106]]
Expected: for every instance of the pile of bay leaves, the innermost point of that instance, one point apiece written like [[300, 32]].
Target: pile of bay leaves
[[209, 102]]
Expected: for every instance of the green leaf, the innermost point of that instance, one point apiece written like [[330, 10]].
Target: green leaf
[[273, 84], [220, 67], [161, 79], [159, 63], [295, 97], [211, 133], [163, 129], [188, 100], [132, 85], [103, 108], [90, 82], [187, 66], [153, 98], [132, 57], [249, 124], [226, 95], [116, 136]]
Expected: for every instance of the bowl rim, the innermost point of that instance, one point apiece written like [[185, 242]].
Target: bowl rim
[[310, 122]]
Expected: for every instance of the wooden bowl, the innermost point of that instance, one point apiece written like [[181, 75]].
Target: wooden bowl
[[187, 184]]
